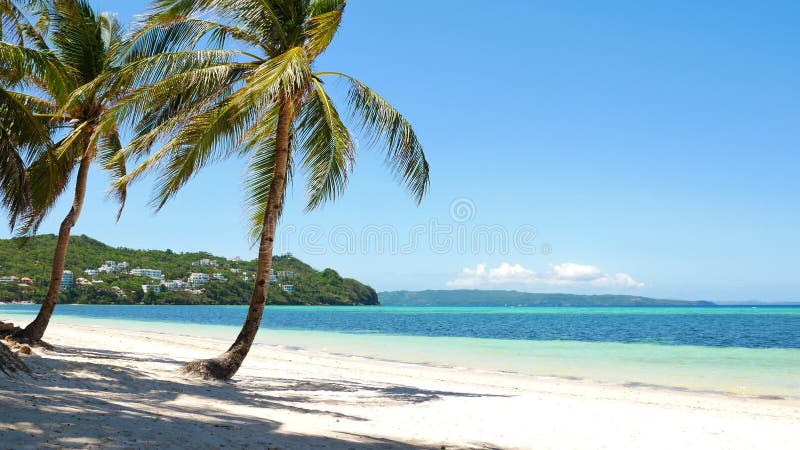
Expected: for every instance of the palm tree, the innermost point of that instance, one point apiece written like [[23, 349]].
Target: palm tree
[[264, 102], [80, 46]]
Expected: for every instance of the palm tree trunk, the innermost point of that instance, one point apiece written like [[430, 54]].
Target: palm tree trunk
[[225, 366], [35, 330]]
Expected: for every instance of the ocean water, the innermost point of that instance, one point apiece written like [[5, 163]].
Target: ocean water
[[739, 350]]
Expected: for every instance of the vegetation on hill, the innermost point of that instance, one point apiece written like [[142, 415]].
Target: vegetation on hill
[[311, 287], [466, 297]]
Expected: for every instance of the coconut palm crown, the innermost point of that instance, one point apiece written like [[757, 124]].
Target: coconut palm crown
[[259, 98]]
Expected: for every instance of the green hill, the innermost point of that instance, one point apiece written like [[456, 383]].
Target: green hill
[[466, 297], [309, 286]]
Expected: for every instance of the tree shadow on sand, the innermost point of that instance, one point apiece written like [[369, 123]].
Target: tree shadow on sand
[[80, 404]]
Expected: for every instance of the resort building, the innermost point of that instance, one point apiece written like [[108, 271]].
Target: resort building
[[26, 280], [150, 273], [8, 280], [286, 274], [67, 280], [235, 259], [218, 277], [198, 279], [205, 262], [288, 287], [272, 278], [113, 267], [91, 272], [175, 285], [155, 288]]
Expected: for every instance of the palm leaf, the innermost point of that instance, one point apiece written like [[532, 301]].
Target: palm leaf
[[110, 157], [329, 153], [386, 126]]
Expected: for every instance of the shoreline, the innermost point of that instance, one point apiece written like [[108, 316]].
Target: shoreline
[[734, 371], [299, 398]]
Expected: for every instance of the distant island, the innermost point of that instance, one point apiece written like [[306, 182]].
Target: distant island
[[465, 297], [100, 274]]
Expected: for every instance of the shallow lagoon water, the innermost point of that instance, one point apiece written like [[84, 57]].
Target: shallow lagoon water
[[741, 350]]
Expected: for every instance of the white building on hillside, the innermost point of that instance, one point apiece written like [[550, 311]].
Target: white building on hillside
[[113, 267], [205, 262], [198, 279], [176, 285], [150, 273], [67, 280], [91, 272], [156, 288]]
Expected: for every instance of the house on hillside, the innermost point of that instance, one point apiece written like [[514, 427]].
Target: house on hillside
[[175, 285], [67, 280], [218, 277], [198, 279], [150, 273], [155, 288], [205, 262], [113, 267]]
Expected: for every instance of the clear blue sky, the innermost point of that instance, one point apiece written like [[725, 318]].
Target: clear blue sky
[[657, 140]]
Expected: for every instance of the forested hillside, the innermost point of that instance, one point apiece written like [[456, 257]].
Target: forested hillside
[[467, 297], [308, 286]]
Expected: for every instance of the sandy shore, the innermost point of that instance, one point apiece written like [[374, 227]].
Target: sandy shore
[[105, 388]]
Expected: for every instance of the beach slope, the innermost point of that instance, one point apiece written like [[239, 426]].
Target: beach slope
[[106, 388]]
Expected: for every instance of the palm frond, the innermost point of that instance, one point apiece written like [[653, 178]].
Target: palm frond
[[318, 7], [320, 30], [21, 22], [261, 18], [17, 118], [386, 126], [15, 192], [329, 153], [21, 64], [49, 175], [111, 159], [77, 38], [182, 33]]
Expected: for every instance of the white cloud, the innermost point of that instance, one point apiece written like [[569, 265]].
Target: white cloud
[[577, 272], [564, 274]]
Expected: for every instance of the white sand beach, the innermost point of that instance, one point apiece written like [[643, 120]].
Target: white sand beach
[[106, 388]]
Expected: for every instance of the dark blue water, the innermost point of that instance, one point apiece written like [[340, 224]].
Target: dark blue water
[[762, 327]]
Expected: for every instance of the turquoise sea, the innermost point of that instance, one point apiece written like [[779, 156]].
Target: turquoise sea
[[740, 350]]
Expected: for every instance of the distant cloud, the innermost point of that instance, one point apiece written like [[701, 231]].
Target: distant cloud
[[564, 274]]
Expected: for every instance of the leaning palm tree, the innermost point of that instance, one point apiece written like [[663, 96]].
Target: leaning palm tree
[[80, 46], [262, 101]]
